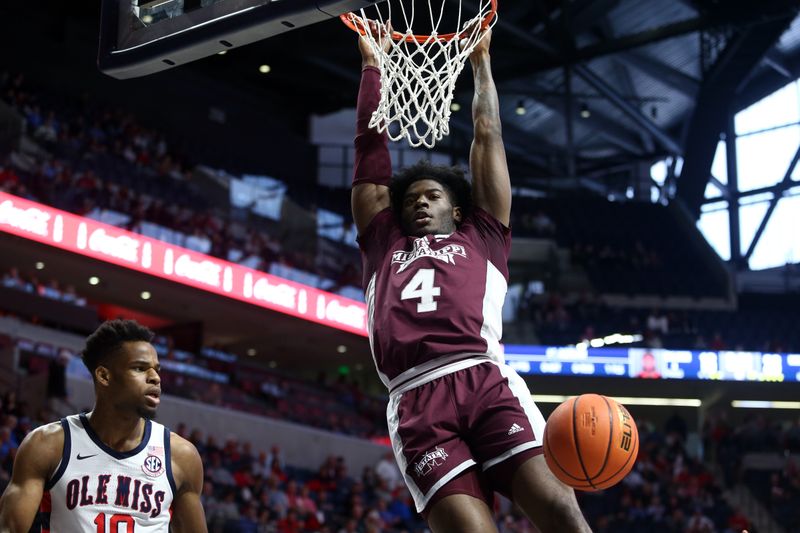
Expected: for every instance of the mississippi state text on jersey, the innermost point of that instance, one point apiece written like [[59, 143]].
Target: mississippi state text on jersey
[[98, 489], [433, 300]]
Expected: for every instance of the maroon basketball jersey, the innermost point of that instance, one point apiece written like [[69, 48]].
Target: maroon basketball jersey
[[436, 298]]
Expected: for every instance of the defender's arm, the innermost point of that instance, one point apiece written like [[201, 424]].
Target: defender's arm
[[187, 511], [36, 460]]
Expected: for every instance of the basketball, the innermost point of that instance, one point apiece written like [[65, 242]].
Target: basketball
[[590, 442]]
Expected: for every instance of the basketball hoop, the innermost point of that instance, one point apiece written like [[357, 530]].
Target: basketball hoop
[[419, 70]]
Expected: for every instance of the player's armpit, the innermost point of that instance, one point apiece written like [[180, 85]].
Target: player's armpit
[[36, 460], [188, 515]]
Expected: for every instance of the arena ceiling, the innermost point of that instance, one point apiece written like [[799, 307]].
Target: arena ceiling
[[627, 73], [607, 86]]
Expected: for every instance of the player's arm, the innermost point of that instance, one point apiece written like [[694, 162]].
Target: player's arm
[[36, 461], [187, 511], [491, 185], [372, 167]]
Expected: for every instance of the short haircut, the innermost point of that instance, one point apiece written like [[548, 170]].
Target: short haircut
[[109, 337], [451, 178]]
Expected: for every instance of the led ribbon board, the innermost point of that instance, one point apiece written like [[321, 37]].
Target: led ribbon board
[[654, 364], [84, 236]]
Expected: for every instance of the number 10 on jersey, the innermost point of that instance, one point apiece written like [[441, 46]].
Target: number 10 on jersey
[[114, 523], [421, 286]]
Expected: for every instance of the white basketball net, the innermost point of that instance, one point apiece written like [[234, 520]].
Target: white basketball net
[[418, 79]]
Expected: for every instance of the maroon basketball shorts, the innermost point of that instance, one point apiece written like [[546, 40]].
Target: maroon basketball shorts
[[474, 417]]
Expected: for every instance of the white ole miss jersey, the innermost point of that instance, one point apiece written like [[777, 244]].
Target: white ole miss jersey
[[100, 490]]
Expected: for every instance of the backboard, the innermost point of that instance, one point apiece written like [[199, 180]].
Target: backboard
[[141, 37]]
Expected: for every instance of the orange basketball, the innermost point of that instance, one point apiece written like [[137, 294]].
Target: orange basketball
[[590, 442]]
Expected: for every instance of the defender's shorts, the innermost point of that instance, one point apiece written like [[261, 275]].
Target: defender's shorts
[[479, 416]]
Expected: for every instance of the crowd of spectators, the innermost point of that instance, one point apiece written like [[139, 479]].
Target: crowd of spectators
[[774, 477], [248, 489], [101, 159], [14, 425], [761, 323], [51, 288], [667, 491]]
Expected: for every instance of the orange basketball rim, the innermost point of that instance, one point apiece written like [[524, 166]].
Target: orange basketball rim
[[357, 24]]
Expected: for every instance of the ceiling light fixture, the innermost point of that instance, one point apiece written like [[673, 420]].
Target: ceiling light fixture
[[764, 404], [145, 295], [585, 113], [264, 69], [628, 400]]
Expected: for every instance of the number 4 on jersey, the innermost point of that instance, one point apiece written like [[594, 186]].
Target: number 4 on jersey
[[421, 286]]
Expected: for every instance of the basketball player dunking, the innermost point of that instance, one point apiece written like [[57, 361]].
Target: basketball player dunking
[[113, 469], [462, 423]]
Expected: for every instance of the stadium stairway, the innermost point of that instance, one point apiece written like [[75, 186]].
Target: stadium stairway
[[740, 497]]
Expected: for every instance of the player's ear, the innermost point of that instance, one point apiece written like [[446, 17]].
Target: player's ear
[[457, 214], [102, 375]]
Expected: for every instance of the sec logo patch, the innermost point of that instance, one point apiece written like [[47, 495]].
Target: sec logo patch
[[153, 466]]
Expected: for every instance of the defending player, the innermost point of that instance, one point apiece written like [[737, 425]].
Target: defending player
[[113, 469], [435, 256]]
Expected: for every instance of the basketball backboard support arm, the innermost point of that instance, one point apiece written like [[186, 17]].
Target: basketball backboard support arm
[[141, 37]]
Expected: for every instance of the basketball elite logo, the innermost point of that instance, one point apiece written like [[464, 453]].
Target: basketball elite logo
[[423, 249], [627, 431], [430, 460]]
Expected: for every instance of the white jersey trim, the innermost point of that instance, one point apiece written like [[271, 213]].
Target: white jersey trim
[[369, 296], [493, 298], [65, 453], [393, 420], [441, 483], [434, 369], [509, 453]]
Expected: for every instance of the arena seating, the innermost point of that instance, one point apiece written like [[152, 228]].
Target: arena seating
[[101, 159], [760, 323], [762, 454], [334, 403], [626, 248], [667, 491], [339, 407], [98, 162], [252, 489]]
